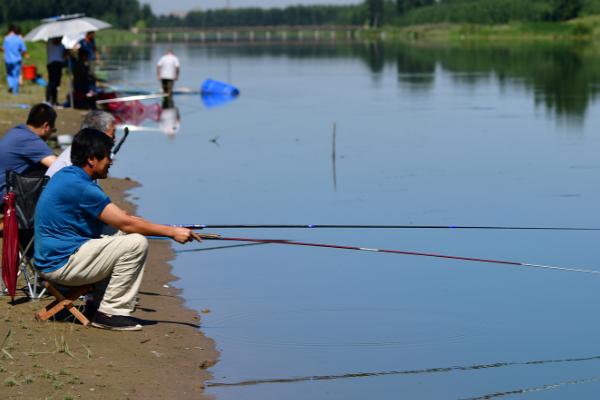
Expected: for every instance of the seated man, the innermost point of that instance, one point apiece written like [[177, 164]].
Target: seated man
[[70, 215], [95, 119], [23, 148]]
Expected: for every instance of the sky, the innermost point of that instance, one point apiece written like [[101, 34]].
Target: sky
[[178, 6]]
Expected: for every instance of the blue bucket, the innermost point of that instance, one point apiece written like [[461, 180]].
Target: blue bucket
[[215, 100], [210, 86]]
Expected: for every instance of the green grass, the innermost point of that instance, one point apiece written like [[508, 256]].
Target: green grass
[[116, 36]]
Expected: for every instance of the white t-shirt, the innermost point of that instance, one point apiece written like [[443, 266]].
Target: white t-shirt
[[64, 160], [169, 121], [168, 65]]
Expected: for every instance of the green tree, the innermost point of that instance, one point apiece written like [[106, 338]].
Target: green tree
[[562, 10], [403, 6], [375, 12]]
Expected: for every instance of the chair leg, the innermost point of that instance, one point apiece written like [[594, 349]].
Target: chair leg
[[63, 302], [35, 290]]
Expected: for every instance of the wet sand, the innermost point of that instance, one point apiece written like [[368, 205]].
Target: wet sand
[[59, 360]]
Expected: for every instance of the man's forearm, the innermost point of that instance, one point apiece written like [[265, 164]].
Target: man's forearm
[[118, 218], [147, 228]]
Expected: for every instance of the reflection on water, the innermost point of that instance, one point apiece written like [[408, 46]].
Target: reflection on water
[[543, 388], [562, 77], [415, 372], [169, 117], [379, 133]]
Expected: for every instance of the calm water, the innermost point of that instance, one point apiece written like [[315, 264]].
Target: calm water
[[464, 135]]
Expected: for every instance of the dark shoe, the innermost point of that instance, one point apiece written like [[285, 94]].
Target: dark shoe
[[115, 322]]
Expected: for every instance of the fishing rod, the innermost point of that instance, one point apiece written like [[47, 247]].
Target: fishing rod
[[212, 236], [132, 98], [341, 226], [118, 146]]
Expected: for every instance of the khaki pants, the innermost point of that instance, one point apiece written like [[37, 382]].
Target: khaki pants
[[115, 264]]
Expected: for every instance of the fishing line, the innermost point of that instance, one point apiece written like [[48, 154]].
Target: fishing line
[[219, 247]]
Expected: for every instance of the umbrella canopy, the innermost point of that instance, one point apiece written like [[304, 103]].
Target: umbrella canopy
[[10, 245], [70, 25]]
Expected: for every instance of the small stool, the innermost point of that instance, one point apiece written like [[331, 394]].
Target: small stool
[[63, 301]]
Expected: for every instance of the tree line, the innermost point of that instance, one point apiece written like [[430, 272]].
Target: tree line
[[375, 13], [119, 13], [254, 16]]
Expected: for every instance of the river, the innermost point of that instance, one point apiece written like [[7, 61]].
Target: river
[[444, 135]]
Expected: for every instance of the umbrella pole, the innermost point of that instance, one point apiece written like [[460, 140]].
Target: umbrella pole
[[70, 83], [71, 91]]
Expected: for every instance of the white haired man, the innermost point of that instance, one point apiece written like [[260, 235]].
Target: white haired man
[[95, 119]]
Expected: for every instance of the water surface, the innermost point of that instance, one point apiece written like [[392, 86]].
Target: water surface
[[465, 135]]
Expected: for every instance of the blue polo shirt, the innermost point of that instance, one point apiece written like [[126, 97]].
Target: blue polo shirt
[[89, 47], [21, 150], [66, 217], [14, 47]]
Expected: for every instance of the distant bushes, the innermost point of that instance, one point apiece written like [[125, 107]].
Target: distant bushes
[[376, 13], [294, 15], [478, 11], [120, 13], [498, 11]]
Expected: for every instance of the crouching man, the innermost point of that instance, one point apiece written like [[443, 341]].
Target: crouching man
[[71, 214]]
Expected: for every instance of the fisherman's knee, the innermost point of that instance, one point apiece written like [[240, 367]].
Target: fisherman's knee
[[137, 243]]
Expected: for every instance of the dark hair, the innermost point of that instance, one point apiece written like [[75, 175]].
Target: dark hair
[[17, 30], [11, 28], [90, 143], [41, 113]]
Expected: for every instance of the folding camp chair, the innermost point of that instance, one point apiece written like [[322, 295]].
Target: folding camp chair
[[63, 301], [27, 191]]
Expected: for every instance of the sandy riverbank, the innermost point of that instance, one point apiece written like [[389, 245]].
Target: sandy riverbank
[[62, 360]]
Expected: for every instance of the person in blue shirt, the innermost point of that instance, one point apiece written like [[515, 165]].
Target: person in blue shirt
[[88, 44], [14, 50], [69, 249], [23, 148]]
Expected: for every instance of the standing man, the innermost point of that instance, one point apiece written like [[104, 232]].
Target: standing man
[[95, 119], [14, 51], [69, 218], [88, 44], [56, 62], [167, 71], [23, 148]]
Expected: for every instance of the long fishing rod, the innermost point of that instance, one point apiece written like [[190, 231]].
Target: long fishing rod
[[341, 226], [403, 252]]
